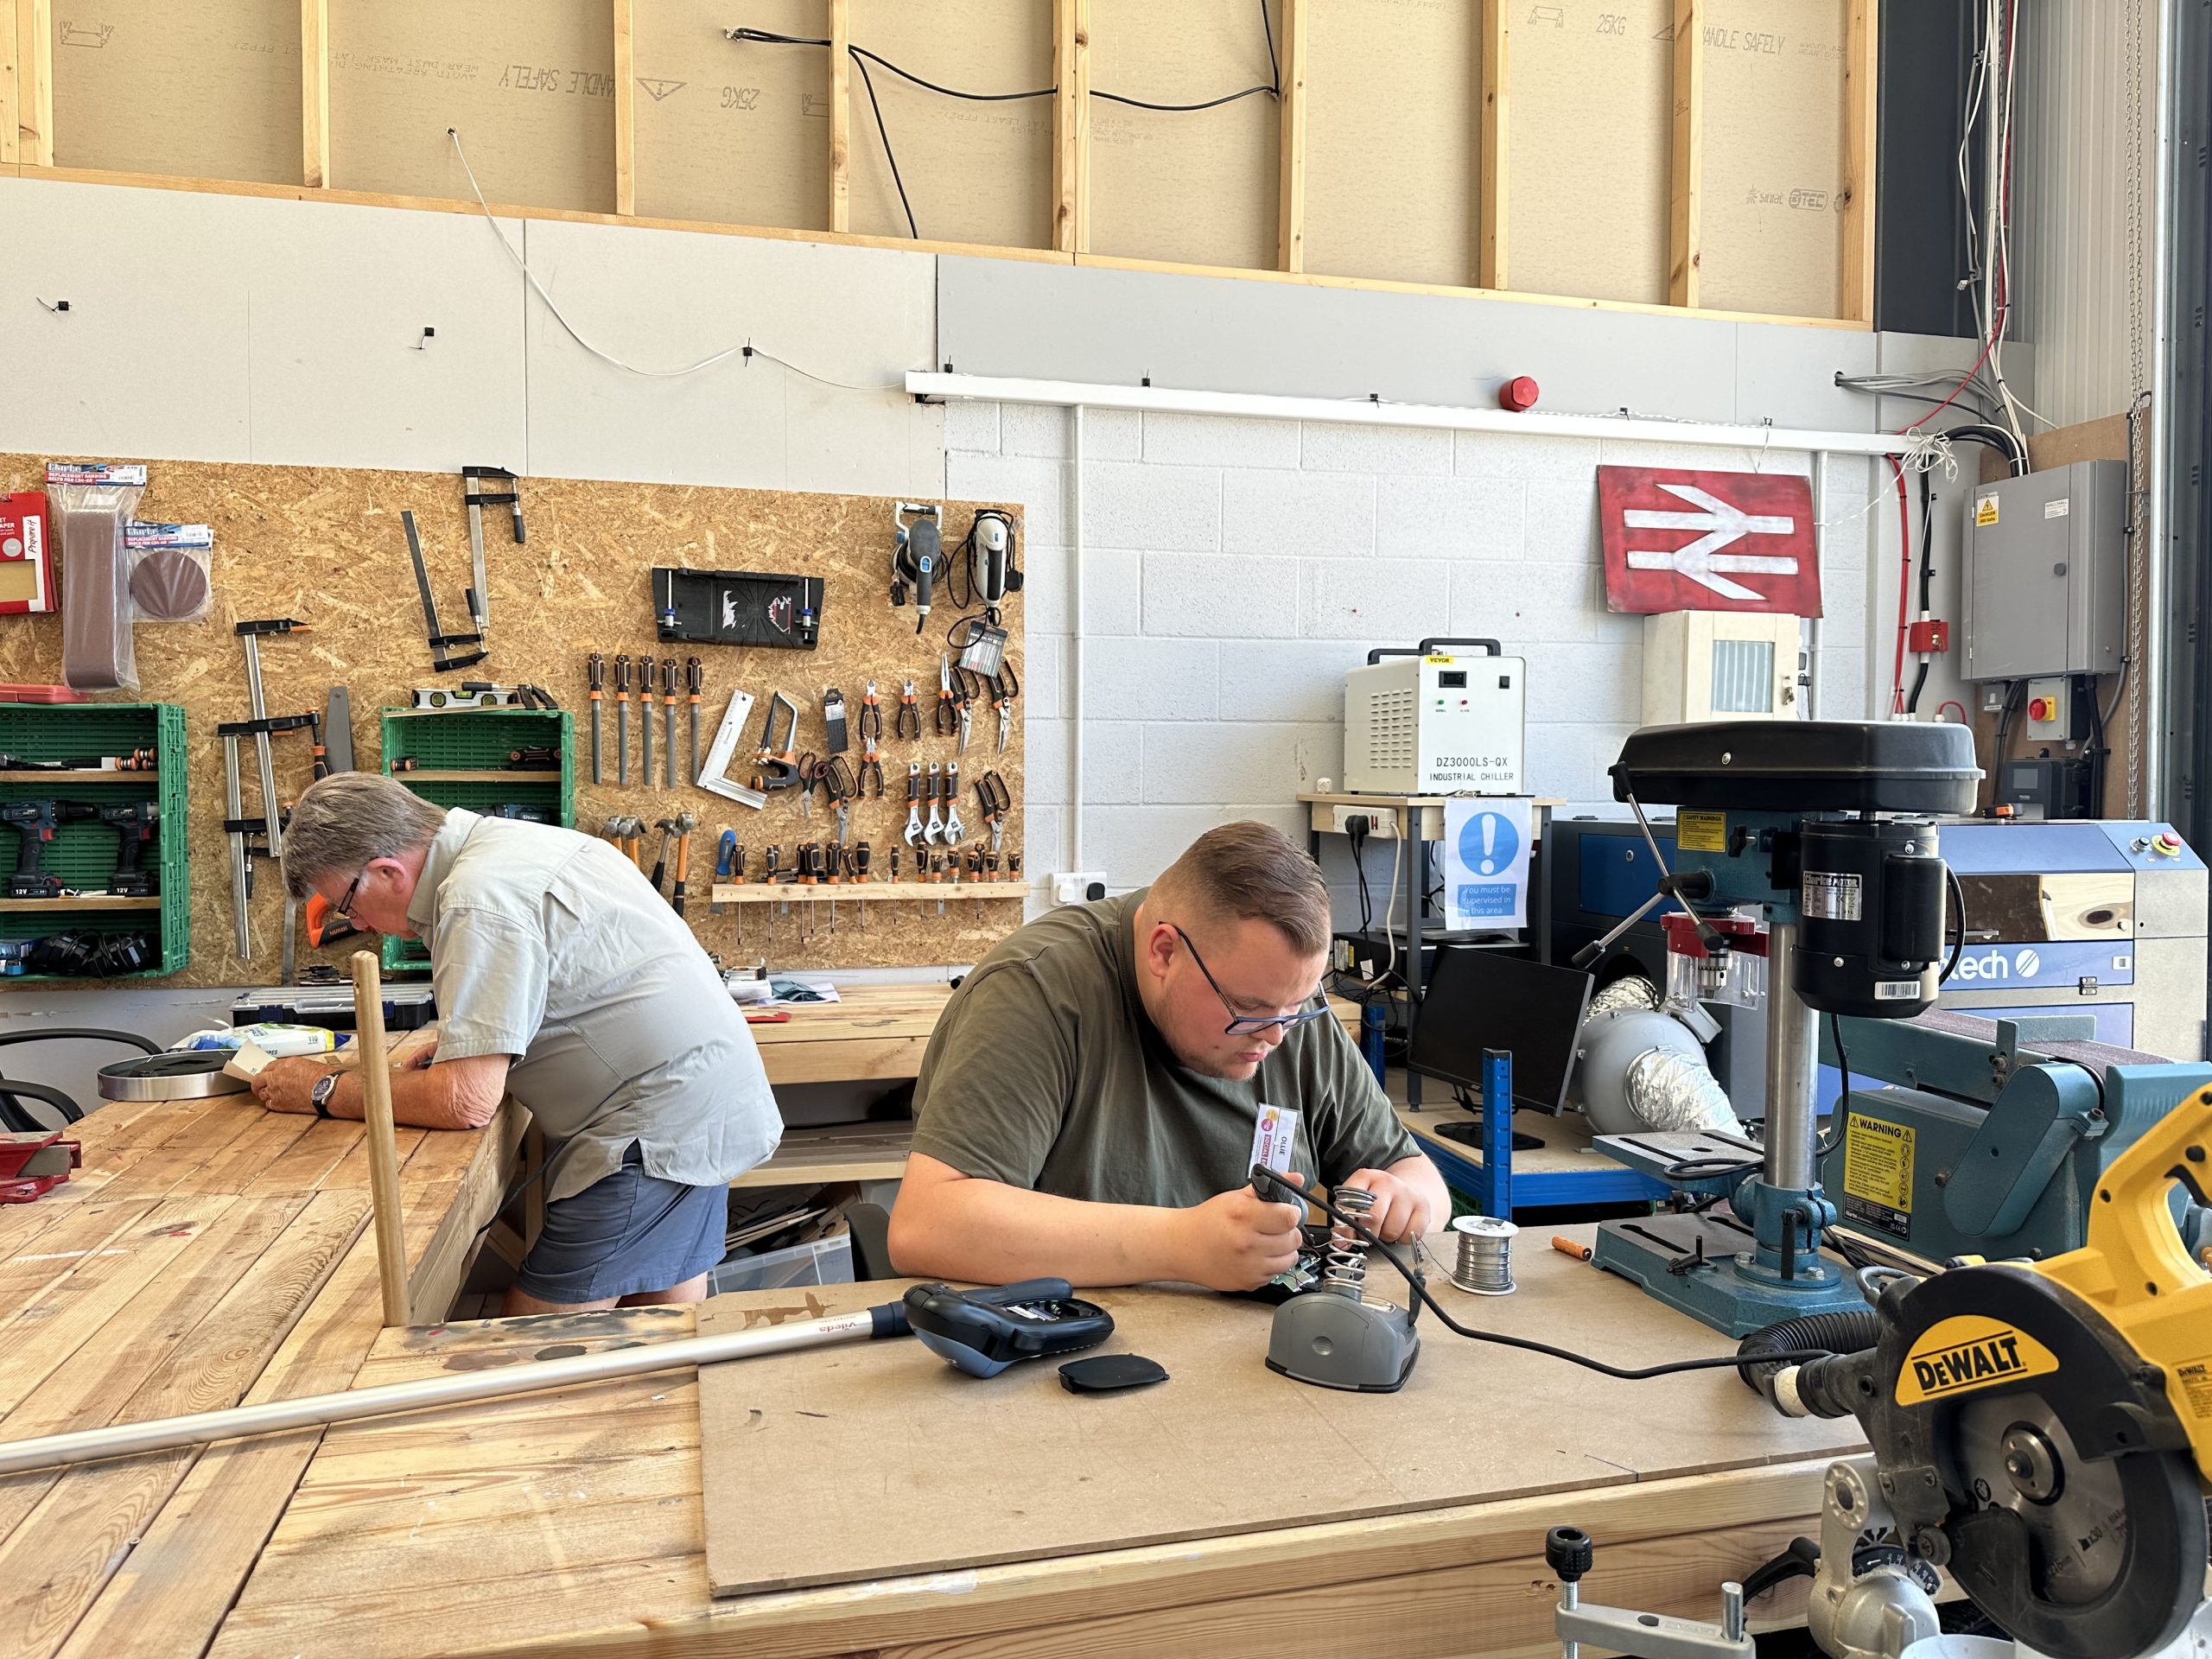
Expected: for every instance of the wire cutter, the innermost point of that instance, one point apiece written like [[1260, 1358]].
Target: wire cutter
[[871, 727], [908, 723], [947, 710], [995, 800], [968, 686], [810, 779]]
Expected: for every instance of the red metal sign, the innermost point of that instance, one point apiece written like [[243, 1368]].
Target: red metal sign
[[1682, 541]]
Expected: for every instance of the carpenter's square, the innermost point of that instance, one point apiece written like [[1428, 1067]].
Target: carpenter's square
[[443, 658], [477, 498], [714, 776], [596, 671]]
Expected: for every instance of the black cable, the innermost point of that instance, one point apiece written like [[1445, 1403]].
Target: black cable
[[1959, 906], [1829, 1142], [1262, 1175], [1927, 542], [868, 82], [862, 57], [1993, 437], [1997, 749]]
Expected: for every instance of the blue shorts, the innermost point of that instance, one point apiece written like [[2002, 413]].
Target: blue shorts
[[626, 1234]]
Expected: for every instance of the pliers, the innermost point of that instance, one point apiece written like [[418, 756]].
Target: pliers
[[947, 710], [908, 724], [1006, 686], [871, 727]]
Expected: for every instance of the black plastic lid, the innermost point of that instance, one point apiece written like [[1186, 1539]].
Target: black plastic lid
[[1788, 765]]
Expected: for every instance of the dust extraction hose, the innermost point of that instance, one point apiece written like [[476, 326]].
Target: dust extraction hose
[[1847, 1330]]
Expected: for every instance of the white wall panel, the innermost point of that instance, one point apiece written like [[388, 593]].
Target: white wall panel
[[663, 298]]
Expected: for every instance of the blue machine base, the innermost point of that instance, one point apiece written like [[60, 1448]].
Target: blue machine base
[[1651, 1253]]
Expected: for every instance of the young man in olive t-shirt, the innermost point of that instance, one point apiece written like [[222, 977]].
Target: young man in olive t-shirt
[[1089, 1103]]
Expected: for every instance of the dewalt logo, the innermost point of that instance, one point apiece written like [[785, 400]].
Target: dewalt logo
[[1956, 1355]]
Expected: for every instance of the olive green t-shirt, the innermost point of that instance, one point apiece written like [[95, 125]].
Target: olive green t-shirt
[[1045, 1073]]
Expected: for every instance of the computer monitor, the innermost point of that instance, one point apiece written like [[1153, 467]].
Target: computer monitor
[[1480, 1000]]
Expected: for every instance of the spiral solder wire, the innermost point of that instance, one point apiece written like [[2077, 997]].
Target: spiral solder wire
[[1484, 1266]]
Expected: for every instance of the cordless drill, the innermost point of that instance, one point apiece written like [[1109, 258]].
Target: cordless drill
[[135, 823], [34, 820]]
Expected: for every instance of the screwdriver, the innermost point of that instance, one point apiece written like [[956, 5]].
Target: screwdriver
[[737, 874], [861, 856], [976, 873], [724, 850]]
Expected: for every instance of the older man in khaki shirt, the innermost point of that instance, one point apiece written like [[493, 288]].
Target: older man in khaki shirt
[[562, 977]]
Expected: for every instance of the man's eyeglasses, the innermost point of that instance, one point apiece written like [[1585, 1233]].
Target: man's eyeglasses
[[1244, 1025], [345, 906]]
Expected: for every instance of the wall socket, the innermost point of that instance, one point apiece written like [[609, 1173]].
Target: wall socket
[[1074, 887]]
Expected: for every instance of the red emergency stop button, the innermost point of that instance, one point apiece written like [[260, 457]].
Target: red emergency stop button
[[2042, 707], [2167, 845]]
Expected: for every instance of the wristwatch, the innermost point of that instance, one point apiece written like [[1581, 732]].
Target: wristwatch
[[318, 1095]]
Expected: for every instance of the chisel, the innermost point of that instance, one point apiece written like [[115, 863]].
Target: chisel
[[695, 681]]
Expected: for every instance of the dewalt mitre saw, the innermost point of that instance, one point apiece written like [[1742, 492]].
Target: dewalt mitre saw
[[2041, 1432]]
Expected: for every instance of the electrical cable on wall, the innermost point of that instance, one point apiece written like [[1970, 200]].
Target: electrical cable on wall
[[862, 57], [745, 349]]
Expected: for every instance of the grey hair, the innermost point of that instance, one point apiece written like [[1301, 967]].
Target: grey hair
[[348, 819]]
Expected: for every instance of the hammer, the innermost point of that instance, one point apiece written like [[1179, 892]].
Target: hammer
[[667, 828], [633, 832], [686, 823]]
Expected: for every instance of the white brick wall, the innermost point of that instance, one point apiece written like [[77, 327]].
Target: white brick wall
[[1234, 569]]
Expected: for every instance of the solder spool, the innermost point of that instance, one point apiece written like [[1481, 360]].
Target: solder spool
[[1484, 1267]]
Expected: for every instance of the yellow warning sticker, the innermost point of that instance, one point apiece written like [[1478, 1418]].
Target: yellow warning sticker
[[1959, 1354], [1702, 832], [1444, 662], [1985, 511], [1878, 1174], [2192, 1387]]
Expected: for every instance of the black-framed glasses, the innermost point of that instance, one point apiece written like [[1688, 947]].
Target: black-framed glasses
[[1244, 1025], [345, 906]]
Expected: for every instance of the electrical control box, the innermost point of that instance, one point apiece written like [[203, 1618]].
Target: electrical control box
[[1719, 665], [2056, 712], [2045, 584], [1436, 723]]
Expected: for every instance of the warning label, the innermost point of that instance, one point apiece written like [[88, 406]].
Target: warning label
[[1985, 511], [1878, 1174], [2193, 1382], [1829, 896], [1702, 832]]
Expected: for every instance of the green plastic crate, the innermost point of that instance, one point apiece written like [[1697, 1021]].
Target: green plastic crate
[[477, 740], [83, 855]]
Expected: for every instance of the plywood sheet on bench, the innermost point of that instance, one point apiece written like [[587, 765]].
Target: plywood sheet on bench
[[877, 1459]]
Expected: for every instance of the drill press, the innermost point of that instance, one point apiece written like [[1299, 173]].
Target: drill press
[[1822, 830]]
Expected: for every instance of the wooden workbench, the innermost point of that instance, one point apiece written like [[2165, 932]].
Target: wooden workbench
[[208, 1252], [572, 1521]]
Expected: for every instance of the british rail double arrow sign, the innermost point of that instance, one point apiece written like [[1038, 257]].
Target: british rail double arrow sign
[[1689, 541]]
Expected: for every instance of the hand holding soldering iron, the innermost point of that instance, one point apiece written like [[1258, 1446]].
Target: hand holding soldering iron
[[1237, 1241]]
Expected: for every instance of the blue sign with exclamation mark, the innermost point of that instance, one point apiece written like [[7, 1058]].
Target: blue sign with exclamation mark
[[1487, 845]]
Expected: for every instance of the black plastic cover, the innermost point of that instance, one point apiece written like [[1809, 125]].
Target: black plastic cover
[[1816, 766], [1110, 1374]]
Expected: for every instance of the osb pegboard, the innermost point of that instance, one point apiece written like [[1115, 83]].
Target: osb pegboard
[[325, 545]]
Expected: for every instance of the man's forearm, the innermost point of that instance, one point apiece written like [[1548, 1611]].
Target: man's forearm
[[991, 1233], [422, 1098]]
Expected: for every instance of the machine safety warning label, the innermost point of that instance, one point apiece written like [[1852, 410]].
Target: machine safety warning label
[[1702, 832], [2193, 1381], [1878, 1174], [1831, 896], [1985, 511]]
